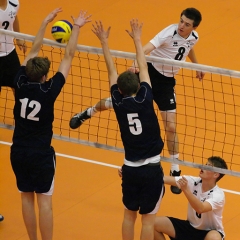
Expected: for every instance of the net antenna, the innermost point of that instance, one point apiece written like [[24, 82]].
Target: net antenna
[[208, 111]]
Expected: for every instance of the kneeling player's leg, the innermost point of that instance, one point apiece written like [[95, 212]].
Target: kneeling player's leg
[[162, 226], [213, 235]]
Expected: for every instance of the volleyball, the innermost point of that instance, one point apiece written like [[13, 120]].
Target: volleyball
[[61, 31]]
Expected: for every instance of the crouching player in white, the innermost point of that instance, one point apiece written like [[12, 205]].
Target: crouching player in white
[[205, 207]]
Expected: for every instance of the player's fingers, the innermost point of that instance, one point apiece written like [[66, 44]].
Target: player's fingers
[[56, 11], [87, 18], [131, 69], [82, 13], [130, 34], [94, 32]]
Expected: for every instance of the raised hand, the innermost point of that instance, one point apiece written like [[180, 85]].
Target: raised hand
[[52, 15], [136, 29], [82, 19], [134, 68], [99, 31]]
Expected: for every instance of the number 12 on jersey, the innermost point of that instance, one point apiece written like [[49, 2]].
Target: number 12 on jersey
[[36, 106]]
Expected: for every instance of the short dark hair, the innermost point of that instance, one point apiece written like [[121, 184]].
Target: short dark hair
[[128, 83], [36, 68], [193, 14], [219, 163]]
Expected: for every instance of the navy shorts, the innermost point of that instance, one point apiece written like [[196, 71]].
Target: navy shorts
[[185, 231], [142, 187], [34, 168], [9, 66], [163, 89]]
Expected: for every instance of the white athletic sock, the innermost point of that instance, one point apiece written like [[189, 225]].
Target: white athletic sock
[[92, 111], [174, 166]]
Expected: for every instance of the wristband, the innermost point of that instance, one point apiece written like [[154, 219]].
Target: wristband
[[76, 25]]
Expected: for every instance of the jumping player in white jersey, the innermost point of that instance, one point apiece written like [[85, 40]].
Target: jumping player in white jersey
[[205, 207], [174, 42], [32, 157], [9, 61], [142, 181]]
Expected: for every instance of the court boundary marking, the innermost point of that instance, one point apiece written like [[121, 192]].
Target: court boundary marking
[[103, 164]]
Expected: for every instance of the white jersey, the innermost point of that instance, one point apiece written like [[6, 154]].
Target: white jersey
[[169, 44], [208, 220], [7, 18]]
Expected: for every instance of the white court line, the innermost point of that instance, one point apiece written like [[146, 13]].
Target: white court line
[[104, 164], [87, 160]]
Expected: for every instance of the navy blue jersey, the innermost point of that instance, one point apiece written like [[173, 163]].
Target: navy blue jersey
[[34, 109], [138, 123]]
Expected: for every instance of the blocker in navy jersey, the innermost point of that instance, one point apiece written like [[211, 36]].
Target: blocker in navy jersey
[[32, 157], [139, 127], [34, 108]]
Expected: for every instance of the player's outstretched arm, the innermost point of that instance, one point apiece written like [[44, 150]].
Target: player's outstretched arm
[[39, 37], [103, 35], [136, 32], [78, 22], [170, 180], [193, 58]]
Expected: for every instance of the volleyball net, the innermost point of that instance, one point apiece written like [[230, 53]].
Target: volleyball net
[[208, 111]]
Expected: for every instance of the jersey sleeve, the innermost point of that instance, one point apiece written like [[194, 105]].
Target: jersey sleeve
[[146, 84], [217, 200], [55, 84], [144, 92], [163, 35], [116, 96], [21, 76]]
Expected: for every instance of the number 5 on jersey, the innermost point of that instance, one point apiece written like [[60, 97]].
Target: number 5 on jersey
[[135, 125]]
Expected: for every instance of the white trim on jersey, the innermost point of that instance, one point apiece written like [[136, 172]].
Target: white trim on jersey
[[139, 163], [208, 220], [7, 18], [169, 44]]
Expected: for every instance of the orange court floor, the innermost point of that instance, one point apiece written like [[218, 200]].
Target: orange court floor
[[87, 197]]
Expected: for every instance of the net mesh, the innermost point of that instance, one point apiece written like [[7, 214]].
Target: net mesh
[[208, 111]]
